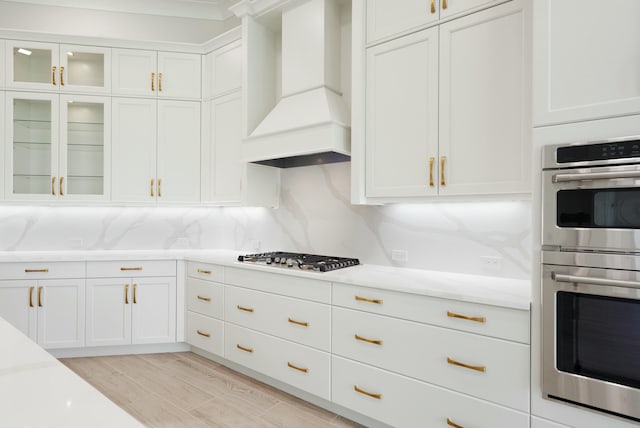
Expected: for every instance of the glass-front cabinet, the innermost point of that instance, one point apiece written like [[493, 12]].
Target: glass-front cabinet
[[57, 147], [54, 67]]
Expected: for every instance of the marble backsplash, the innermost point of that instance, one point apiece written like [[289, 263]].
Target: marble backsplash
[[315, 215]]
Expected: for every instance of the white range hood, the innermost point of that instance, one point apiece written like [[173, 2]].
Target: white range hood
[[311, 122]]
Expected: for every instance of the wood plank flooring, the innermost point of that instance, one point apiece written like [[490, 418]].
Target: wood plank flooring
[[188, 391]]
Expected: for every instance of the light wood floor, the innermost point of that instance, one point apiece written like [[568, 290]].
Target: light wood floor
[[188, 391]]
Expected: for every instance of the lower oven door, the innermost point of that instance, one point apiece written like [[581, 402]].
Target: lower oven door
[[591, 337]]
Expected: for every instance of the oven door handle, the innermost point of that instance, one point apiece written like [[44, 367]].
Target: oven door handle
[[595, 281], [559, 178]]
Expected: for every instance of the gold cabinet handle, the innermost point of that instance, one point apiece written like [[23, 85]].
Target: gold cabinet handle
[[153, 82], [131, 268], [431, 161], [126, 294], [444, 4], [365, 299], [466, 317], [53, 75], [466, 366], [242, 308], [36, 270], [151, 187], [433, 6], [160, 82], [31, 296], [367, 393], [302, 323], [61, 75], [205, 272], [135, 294], [53, 186], [202, 333], [442, 161], [40, 302], [159, 187], [453, 424], [242, 348], [300, 369], [364, 339], [61, 193], [204, 299]]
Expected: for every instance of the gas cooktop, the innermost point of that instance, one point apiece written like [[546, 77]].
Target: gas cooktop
[[311, 262]]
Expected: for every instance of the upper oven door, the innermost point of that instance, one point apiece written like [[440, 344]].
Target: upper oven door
[[592, 208]]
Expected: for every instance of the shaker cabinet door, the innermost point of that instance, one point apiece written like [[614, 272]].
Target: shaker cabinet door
[[61, 313]]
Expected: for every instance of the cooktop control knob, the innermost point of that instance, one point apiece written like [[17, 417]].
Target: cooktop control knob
[[289, 262]]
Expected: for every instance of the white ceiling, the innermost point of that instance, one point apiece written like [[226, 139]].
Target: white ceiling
[[203, 9]]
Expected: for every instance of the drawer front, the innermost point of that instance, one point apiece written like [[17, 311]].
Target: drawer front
[[403, 402], [301, 321], [494, 321], [316, 290], [491, 369], [299, 366], [205, 271], [206, 298], [205, 333], [131, 268], [42, 270]]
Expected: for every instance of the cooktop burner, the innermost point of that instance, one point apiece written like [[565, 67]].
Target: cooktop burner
[[312, 262]]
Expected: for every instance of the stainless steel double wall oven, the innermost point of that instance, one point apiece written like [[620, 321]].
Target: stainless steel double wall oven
[[591, 275]]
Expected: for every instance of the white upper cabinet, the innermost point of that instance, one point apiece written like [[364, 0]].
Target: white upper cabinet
[[222, 70], [162, 74], [586, 60], [53, 67]]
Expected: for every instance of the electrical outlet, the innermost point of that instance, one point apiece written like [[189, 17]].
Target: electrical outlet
[[400, 256], [491, 263]]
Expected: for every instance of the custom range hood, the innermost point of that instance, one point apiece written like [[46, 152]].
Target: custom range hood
[[311, 122]]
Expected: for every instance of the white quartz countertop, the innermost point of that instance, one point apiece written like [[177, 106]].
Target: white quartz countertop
[[498, 291], [37, 391]]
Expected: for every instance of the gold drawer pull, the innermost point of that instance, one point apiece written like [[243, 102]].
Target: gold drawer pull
[[242, 348], [364, 299], [466, 366], [36, 270], [300, 369], [204, 299], [31, 296], [126, 294], [453, 424], [130, 268], [53, 75], [153, 82], [444, 4], [53, 186], [302, 323], [201, 333], [40, 303], [205, 272], [61, 191], [431, 160], [442, 161], [370, 394], [433, 6], [244, 309], [364, 339], [61, 75], [466, 317], [151, 188], [135, 294]]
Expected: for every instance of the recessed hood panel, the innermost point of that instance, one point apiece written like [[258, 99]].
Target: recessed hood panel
[[311, 121]]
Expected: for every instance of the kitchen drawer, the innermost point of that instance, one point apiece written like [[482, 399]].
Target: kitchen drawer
[[131, 268], [206, 298], [42, 270], [289, 285], [301, 321], [488, 368], [205, 271], [297, 365], [205, 333], [403, 402], [494, 321]]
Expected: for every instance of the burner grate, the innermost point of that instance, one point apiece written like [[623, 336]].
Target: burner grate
[[312, 262]]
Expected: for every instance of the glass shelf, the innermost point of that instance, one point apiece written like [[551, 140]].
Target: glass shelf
[[85, 126], [85, 177], [33, 124], [32, 175], [35, 143], [78, 146]]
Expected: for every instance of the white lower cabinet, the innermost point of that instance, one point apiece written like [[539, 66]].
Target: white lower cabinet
[[205, 307], [205, 333], [404, 402]]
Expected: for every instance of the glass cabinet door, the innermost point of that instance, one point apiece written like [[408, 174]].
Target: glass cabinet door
[[32, 65], [85, 147], [32, 146], [85, 69]]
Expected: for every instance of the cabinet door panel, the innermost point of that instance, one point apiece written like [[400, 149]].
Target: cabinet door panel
[[61, 313], [154, 310], [178, 169], [484, 107], [18, 305], [134, 72], [134, 150], [386, 18], [179, 75], [586, 60], [109, 303], [224, 70], [402, 116], [30, 65], [85, 69]]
